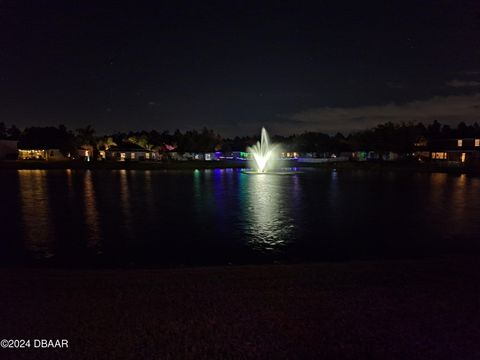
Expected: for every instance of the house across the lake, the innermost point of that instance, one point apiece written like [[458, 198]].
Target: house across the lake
[[41, 154], [85, 152], [235, 155], [127, 152], [459, 151], [48, 144]]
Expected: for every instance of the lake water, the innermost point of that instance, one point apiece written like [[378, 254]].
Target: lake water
[[174, 218]]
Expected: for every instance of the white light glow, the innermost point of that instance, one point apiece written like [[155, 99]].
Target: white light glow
[[262, 152]]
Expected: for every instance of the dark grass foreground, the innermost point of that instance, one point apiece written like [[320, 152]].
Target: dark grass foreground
[[365, 310]]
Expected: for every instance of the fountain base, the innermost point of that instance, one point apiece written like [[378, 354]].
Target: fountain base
[[253, 172]]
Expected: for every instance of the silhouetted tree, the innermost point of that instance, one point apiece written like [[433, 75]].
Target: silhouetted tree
[[13, 133], [86, 135], [48, 138]]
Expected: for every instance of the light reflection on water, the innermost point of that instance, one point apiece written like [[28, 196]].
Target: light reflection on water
[[216, 214], [35, 217], [454, 204], [268, 220], [91, 212], [126, 224], [149, 193]]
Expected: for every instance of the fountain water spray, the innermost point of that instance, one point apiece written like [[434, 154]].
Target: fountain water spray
[[262, 152], [263, 156]]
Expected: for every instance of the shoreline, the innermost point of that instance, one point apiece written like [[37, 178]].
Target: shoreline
[[229, 164], [414, 309]]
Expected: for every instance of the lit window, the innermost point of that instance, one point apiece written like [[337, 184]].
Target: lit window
[[459, 143], [462, 158], [122, 156], [439, 155], [477, 142], [132, 155], [147, 155]]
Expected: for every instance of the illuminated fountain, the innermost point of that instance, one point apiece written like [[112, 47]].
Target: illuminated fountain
[[263, 153]]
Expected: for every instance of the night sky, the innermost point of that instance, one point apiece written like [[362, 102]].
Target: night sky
[[236, 65]]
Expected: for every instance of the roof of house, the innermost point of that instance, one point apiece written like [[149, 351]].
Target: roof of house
[[127, 146]]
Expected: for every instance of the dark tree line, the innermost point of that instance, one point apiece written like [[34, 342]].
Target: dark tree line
[[402, 137], [9, 133], [384, 137], [205, 140]]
